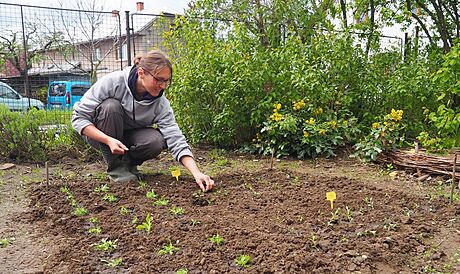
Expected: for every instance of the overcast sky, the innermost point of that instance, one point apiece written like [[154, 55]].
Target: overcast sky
[[150, 6]]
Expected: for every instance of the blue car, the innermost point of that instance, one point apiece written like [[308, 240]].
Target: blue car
[[15, 102], [64, 94]]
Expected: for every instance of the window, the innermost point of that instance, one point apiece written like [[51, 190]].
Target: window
[[97, 56], [79, 90], [122, 52], [7, 93], [57, 90]]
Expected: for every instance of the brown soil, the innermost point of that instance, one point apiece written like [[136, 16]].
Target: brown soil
[[279, 217]]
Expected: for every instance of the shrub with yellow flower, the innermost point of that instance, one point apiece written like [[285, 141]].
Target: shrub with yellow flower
[[299, 105]]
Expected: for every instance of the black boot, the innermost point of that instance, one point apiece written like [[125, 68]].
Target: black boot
[[118, 168]]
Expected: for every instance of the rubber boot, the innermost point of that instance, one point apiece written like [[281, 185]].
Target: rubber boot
[[118, 168], [132, 165]]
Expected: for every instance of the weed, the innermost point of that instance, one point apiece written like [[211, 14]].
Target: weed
[[176, 210], [388, 225], [106, 245], [221, 162], [146, 225], [110, 197], [95, 230], [349, 214], [123, 210], [369, 202], [113, 262], [217, 239], [161, 202], [168, 249], [65, 190], [194, 222], [151, 194], [102, 188], [390, 167], [243, 260], [134, 220], [93, 220], [79, 211], [182, 271]]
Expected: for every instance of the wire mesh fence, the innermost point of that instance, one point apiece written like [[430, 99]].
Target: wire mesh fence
[[51, 56]]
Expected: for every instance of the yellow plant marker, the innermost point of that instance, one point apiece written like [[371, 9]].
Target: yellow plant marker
[[331, 196], [176, 173]]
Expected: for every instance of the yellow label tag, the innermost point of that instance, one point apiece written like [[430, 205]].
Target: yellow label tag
[[176, 173], [331, 196]]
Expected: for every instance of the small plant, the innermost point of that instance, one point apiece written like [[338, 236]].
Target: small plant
[[243, 260], [146, 225], [5, 242], [335, 217], [95, 230], [151, 194], [313, 240], [110, 197], [113, 262], [369, 202], [100, 176], [194, 222], [217, 239], [182, 271], [134, 220], [161, 202], [142, 184], [79, 211], [168, 249], [349, 214], [65, 190], [106, 245], [93, 220], [123, 210], [176, 210], [366, 233], [102, 188], [389, 225]]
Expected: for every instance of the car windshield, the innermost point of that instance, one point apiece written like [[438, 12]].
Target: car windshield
[[7, 93]]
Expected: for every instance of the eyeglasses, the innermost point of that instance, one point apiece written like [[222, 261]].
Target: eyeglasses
[[167, 82]]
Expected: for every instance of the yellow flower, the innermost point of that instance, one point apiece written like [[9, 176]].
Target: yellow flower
[[396, 115], [276, 117], [306, 134], [318, 111], [299, 105], [311, 121], [277, 106], [322, 132], [333, 124], [375, 125]]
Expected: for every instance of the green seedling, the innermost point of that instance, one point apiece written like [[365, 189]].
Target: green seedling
[[151, 194], [100, 176], [217, 239], [146, 225], [123, 210], [198, 194], [194, 222], [243, 260], [168, 249], [335, 217], [142, 184], [182, 271], [113, 262], [366, 233], [65, 190], [102, 188], [161, 202], [349, 214], [95, 230], [176, 210], [390, 226], [93, 220], [369, 202], [5, 242], [134, 220], [106, 245], [79, 211], [313, 240], [110, 197]]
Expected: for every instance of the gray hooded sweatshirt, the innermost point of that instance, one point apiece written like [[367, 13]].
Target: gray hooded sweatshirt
[[147, 112]]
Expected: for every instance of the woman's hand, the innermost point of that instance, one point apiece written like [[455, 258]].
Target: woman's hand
[[204, 182], [116, 147]]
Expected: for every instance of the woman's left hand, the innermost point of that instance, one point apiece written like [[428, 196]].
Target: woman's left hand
[[204, 182]]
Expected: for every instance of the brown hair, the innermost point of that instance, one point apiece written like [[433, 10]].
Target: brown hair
[[154, 61]]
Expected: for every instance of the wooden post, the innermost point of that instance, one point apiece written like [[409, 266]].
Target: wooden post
[[47, 174], [273, 156], [453, 179]]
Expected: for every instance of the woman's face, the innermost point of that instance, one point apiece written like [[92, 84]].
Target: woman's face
[[154, 82]]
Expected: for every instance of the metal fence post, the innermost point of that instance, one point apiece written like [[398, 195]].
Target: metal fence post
[[128, 37], [26, 69]]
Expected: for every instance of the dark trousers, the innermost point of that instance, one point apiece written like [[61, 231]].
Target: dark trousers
[[143, 143]]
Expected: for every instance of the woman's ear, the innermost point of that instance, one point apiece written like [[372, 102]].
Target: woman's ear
[[140, 72]]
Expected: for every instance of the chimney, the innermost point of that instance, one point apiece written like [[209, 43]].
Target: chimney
[[139, 6]]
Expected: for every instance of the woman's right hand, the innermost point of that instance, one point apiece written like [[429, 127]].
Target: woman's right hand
[[116, 147]]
